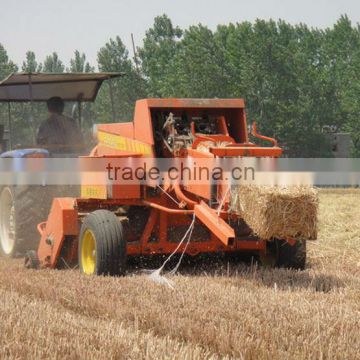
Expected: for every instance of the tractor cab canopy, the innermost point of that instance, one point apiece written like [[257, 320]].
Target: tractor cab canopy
[[39, 87], [21, 87]]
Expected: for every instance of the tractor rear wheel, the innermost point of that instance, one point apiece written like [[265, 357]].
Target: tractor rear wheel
[[102, 245], [21, 209], [7, 223], [281, 254]]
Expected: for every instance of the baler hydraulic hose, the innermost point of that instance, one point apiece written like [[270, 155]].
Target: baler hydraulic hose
[[262, 137]]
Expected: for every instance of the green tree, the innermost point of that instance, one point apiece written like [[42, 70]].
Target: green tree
[[160, 46], [30, 64], [79, 64], [114, 57], [6, 65], [22, 129], [53, 64], [6, 68], [295, 79], [197, 69], [273, 67], [29, 115], [341, 50]]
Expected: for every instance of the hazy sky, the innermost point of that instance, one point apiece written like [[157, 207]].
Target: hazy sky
[[45, 26]]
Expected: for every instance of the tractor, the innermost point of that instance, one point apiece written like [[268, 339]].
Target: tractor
[[22, 207]]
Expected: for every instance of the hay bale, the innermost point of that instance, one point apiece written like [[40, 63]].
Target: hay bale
[[275, 212]]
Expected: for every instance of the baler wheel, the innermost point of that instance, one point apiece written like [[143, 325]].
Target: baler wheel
[[102, 245], [283, 255], [291, 256]]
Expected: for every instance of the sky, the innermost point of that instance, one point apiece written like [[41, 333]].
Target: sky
[[44, 26]]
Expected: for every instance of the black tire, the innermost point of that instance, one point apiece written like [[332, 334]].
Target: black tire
[[28, 209], [31, 260], [283, 255], [31, 206], [291, 256], [105, 231]]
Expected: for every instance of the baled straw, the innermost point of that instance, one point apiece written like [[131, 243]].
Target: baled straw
[[277, 212]]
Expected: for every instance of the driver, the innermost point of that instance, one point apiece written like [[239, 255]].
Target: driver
[[59, 133]]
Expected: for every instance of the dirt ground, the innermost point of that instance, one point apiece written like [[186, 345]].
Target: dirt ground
[[217, 310]]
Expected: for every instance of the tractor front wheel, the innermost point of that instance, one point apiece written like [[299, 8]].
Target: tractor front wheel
[[102, 246]]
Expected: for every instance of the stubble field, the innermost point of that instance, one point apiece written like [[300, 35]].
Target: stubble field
[[217, 310]]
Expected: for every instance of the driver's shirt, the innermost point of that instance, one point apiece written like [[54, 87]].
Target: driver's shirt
[[60, 134]]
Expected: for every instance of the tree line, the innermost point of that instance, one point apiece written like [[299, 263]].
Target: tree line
[[296, 80]]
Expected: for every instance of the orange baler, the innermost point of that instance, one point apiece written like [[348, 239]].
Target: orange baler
[[110, 222]]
